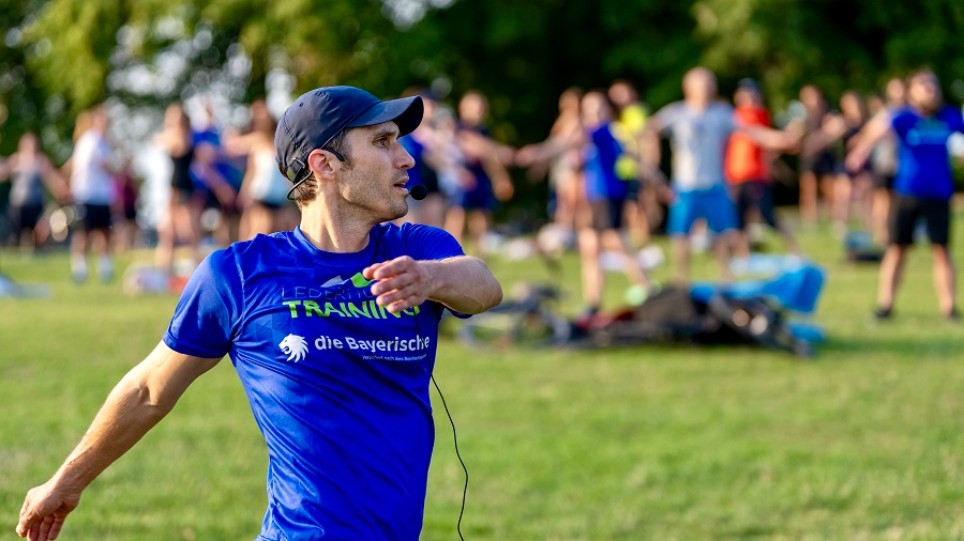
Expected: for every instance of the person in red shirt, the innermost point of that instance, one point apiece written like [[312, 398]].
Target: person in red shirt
[[747, 168]]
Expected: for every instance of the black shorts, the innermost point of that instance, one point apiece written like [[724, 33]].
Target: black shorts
[[607, 214], [884, 181], [907, 211], [25, 217], [824, 163], [755, 194], [92, 217]]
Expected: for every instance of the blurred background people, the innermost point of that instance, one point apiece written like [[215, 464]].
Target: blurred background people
[[217, 176], [476, 197], [852, 188], [264, 190], [883, 160], [182, 221], [606, 195], [642, 208], [92, 191], [29, 170], [560, 157], [699, 128], [423, 144], [126, 229], [749, 171], [923, 187], [817, 161]]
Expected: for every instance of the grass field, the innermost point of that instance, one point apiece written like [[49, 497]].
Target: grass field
[[864, 442]]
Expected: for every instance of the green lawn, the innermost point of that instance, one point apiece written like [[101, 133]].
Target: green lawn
[[864, 442]]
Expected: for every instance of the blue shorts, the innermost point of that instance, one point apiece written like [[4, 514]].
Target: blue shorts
[[713, 205]]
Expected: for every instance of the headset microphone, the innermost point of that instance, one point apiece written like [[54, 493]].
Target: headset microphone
[[418, 192]]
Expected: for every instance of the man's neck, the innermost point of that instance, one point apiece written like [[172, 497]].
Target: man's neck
[[332, 231]]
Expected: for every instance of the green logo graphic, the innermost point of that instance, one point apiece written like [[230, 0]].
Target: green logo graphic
[[359, 281]]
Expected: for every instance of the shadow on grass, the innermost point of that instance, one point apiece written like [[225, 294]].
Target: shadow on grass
[[917, 348]]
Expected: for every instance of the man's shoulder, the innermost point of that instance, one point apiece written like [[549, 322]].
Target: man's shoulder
[[721, 109], [406, 229], [671, 109], [951, 113], [261, 246], [424, 241]]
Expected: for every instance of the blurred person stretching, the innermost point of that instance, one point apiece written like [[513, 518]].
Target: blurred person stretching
[[923, 186], [642, 207], [92, 191], [264, 190], [607, 195], [426, 149], [219, 178], [489, 183], [183, 219], [700, 127], [748, 169], [817, 162], [332, 329], [850, 188], [29, 170], [883, 160], [560, 156]]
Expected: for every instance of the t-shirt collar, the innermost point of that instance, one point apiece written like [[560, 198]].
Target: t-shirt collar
[[301, 243]]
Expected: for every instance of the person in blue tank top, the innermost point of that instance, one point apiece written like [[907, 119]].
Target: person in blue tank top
[[332, 329], [923, 185]]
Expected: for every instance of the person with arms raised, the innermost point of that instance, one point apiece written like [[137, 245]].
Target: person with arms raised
[[923, 186]]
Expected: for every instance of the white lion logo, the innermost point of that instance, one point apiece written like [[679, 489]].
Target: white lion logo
[[294, 347]]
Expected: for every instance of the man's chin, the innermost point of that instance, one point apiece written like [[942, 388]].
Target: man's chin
[[399, 212]]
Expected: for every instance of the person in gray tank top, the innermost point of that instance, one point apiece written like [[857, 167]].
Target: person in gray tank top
[[699, 129]]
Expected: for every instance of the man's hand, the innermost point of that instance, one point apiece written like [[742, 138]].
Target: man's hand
[[401, 283], [44, 511]]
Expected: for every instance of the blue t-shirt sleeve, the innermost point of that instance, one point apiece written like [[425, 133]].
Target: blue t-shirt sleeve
[[427, 242], [206, 315], [902, 121], [955, 120], [608, 147]]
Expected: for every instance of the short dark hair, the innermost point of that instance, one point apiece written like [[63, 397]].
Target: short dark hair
[[306, 191], [339, 146]]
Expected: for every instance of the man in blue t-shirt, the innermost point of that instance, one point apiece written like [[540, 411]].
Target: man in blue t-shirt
[[923, 185], [332, 329]]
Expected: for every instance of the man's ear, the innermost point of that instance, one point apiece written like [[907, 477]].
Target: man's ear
[[320, 162]]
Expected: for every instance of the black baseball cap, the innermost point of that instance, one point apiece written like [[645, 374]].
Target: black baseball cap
[[318, 116]]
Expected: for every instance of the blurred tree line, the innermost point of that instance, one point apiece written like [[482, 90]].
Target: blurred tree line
[[62, 56]]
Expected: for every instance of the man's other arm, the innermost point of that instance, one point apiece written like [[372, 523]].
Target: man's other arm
[[462, 283]]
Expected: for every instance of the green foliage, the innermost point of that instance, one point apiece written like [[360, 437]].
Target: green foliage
[[72, 43], [837, 45], [66, 55]]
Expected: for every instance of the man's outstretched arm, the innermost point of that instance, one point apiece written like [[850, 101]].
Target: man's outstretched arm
[[463, 283], [141, 399]]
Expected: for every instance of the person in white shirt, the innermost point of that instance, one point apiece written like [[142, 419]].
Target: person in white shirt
[[92, 190]]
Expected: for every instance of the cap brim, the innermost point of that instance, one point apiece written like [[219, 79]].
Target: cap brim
[[404, 112]]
